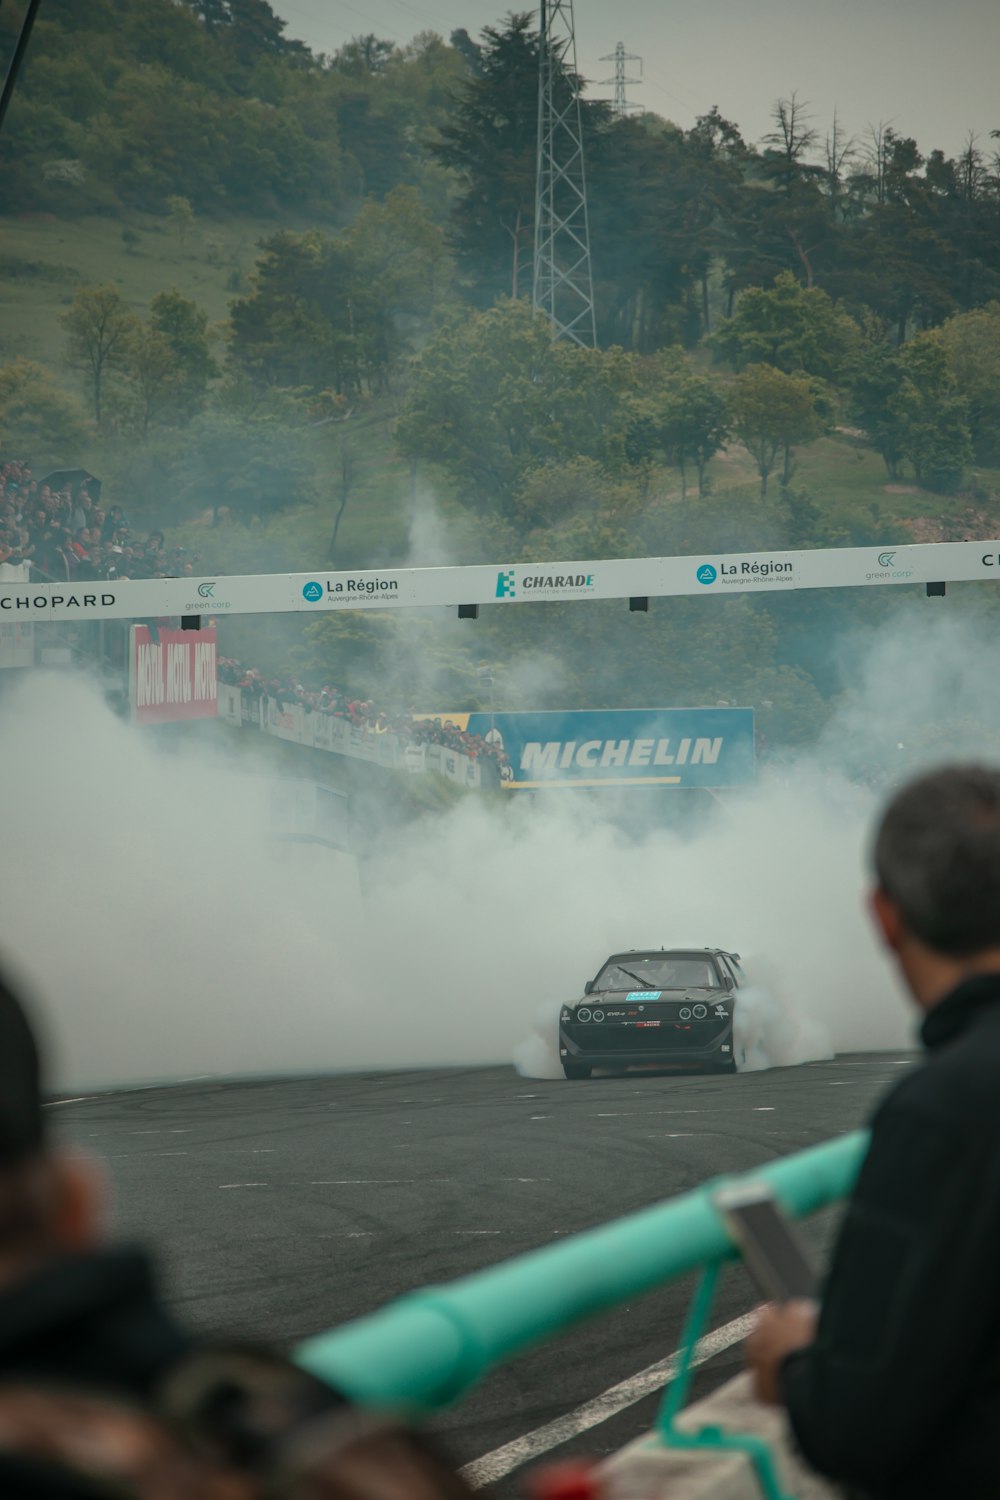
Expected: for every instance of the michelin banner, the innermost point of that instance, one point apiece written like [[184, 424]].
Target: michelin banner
[[671, 747]]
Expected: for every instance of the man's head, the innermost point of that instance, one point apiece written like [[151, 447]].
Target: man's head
[[50, 1200], [937, 870]]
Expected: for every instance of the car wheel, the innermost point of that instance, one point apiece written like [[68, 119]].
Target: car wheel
[[577, 1070], [736, 1062]]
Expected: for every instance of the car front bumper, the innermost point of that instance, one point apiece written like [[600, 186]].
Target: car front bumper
[[682, 1046]]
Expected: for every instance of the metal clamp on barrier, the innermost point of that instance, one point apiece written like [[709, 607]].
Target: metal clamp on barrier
[[757, 1449]]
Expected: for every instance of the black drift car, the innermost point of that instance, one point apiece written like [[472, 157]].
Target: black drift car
[[655, 1008]]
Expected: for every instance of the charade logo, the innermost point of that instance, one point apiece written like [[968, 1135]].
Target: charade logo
[[578, 582], [886, 559], [206, 590], [506, 584], [706, 573], [313, 592]]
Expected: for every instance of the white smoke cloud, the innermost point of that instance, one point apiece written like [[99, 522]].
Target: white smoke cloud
[[165, 937]]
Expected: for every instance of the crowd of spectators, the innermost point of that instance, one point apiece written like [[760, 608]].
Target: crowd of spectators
[[363, 714], [57, 526]]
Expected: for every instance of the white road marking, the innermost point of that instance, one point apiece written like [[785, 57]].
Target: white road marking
[[763, 1109], [77, 1099], [541, 1117], [477, 1231], [241, 1184], [371, 1181], [522, 1450], [173, 1153]]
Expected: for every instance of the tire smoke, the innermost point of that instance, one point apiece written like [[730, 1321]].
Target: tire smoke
[[143, 902]]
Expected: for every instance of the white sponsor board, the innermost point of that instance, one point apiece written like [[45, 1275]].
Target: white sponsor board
[[728, 575]]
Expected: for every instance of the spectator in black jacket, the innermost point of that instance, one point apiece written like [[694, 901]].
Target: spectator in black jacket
[[894, 1387]]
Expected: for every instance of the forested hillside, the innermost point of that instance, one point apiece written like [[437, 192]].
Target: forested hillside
[[279, 302]]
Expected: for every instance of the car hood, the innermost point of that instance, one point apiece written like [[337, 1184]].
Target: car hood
[[642, 997]]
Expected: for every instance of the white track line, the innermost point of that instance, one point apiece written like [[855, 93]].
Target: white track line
[[522, 1450]]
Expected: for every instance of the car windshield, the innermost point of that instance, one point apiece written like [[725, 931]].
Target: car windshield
[[659, 973]]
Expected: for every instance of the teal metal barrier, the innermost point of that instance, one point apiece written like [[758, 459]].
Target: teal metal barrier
[[432, 1345]]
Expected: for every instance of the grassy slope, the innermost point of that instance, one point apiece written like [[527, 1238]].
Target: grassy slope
[[42, 259]]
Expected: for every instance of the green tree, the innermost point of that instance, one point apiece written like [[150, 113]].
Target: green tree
[[183, 325], [933, 415], [771, 412], [101, 328], [568, 490], [794, 328], [687, 419], [972, 343], [315, 318], [876, 379], [148, 382], [491, 397], [403, 250], [251, 464], [166, 367], [182, 216], [491, 143], [36, 416]]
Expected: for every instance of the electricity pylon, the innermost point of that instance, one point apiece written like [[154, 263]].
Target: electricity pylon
[[620, 57], [563, 284]]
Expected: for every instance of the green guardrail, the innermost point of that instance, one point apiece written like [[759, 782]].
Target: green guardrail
[[431, 1345]]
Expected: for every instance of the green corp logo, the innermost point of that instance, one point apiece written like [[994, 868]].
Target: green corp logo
[[506, 584]]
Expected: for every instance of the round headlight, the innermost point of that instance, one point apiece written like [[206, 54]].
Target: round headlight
[[700, 1012], [598, 1015], [583, 1014], [684, 1013]]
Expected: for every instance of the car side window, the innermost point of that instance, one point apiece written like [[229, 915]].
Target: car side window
[[738, 973]]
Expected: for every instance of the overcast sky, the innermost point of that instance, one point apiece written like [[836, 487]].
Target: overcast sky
[[929, 67]]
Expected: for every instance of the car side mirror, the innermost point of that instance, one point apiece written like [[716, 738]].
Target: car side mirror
[[588, 987], [727, 980]]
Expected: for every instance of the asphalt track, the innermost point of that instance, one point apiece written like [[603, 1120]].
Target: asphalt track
[[284, 1207]]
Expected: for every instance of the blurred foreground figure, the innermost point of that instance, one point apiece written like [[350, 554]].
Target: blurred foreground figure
[[103, 1394], [893, 1386]]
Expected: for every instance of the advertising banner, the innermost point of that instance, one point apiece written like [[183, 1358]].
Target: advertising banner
[[172, 675], [702, 575], [674, 747]]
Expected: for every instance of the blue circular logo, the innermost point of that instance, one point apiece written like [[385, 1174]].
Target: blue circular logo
[[706, 573], [313, 592]]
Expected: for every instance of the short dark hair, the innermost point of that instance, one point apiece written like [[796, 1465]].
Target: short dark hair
[[937, 856]]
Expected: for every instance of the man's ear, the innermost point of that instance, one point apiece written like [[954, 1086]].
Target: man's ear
[[81, 1201], [887, 919]]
